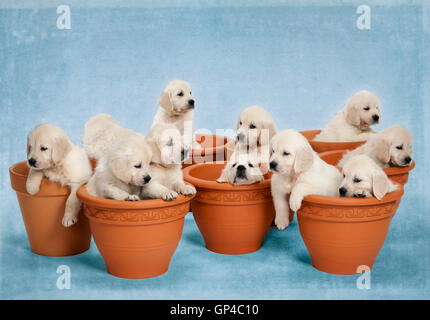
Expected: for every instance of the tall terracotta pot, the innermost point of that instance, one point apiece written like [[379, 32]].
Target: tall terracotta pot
[[399, 175], [231, 219], [342, 234], [43, 213], [213, 149], [136, 239], [321, 146]]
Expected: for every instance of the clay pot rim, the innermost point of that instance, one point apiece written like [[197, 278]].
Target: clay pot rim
[[339, 144], [213, 150], [122, 205], [213, 185], [54, 189], [354, 202]]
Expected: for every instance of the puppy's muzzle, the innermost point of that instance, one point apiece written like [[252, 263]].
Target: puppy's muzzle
[[342, 192], [146, 179], [32, 162], [241, 172], [273, 165], [375, 118]]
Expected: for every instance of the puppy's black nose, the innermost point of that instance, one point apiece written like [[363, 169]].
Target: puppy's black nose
[[191, 102], [32, 162], [241, 168], [375, 118], [146, 179], [407, 160], [240, 137], [342, 191], [273, 165]]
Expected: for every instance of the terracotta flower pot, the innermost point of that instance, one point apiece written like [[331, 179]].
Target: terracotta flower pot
[[213, 149], [399, 175], [320, 146], [43, 213], [136, 239], [232, 219], [342, 234]]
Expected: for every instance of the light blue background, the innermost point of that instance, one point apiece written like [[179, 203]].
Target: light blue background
[[301, 62]]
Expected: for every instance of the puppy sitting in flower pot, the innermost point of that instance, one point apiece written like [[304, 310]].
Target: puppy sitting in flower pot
[[52, 155], [363, 178], [241, 169]]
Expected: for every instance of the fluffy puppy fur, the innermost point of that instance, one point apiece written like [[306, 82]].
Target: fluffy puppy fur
[[165, 169], [176, 105], [298, 171], [123, 170], [389, 148], [353, 122], [100, 133], [241, 169], [362, 177], [51, 154], [255, 127]]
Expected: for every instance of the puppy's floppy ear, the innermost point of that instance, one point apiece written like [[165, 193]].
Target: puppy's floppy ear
[[380, 184], [352, 113], [304, 159], [119, 168], [165, 101], [61, 147], [381, 147]]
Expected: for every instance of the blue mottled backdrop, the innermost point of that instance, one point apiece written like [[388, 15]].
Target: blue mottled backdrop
[[301, 62]]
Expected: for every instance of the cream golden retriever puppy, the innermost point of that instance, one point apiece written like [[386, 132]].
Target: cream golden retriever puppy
[[176, 105], [100, 133], [166, 171], [298, 171], [254, 130], [123, 170], [362, 177], [353, 122], [51, 154], [241, 169], [389, 148]]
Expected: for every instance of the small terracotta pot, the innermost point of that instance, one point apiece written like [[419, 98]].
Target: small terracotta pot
[[398, 175], [213, 149], [232, 219], [43, 213], [320, 146], [136, 239], [342, 234]]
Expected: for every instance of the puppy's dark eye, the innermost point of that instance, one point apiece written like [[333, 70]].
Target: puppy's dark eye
[[138, 166], [399, 147], [251, 126], [43, 148], [170, 143], [251, 165], [366, 108], [356, 180], [344, 175], [234, 165], [190, 92], [286, 153], [180, 94], [240, 122]]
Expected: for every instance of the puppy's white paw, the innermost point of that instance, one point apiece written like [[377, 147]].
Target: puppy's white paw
[[187, 190], [32, 187], [69, 220], [169, 195], [295, 202], [282, 222], [132, 197]]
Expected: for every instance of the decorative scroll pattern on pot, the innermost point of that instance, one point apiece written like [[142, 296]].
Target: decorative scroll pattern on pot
[[233, 197], [138, 215], [348, 213]]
